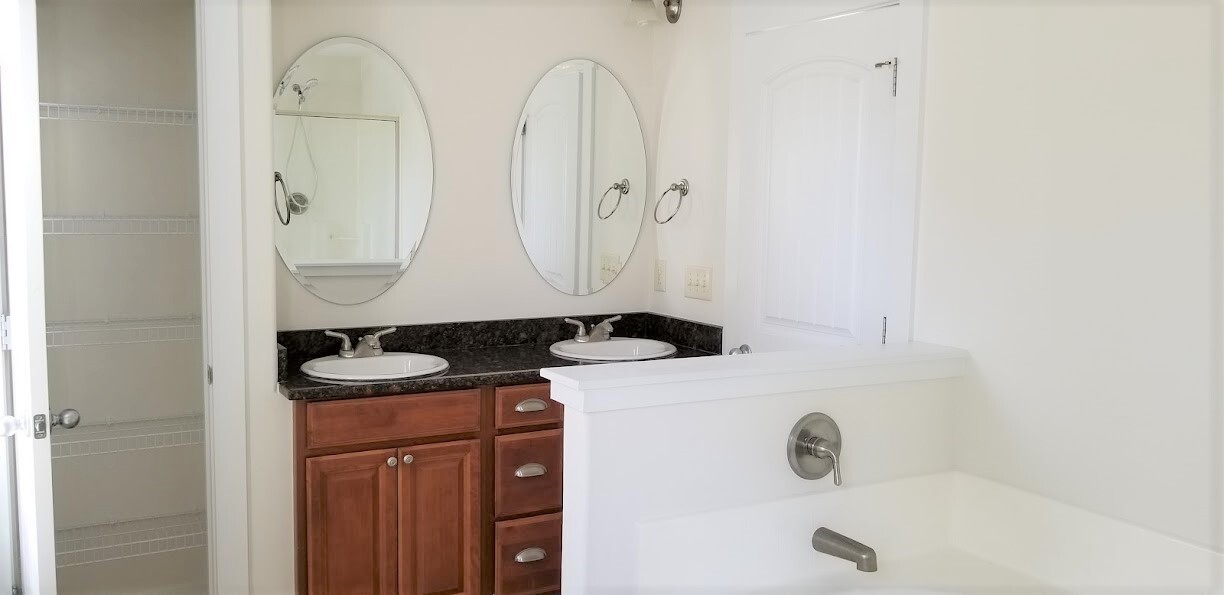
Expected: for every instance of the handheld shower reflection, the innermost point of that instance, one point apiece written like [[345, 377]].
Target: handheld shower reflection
[[302, 89]]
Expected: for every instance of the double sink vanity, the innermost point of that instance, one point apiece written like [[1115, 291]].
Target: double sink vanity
[[447, 481], [428, 458]]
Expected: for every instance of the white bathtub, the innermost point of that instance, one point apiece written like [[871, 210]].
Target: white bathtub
[[677, 483], [766, 548]]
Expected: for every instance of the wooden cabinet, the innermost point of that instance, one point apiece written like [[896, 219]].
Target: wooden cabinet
[[528, 555], [428, 494], [439, 519], [527, 476], [351, 513]]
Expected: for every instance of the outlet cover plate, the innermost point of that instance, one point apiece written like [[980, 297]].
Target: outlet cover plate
[[661, 276], [698, 283]]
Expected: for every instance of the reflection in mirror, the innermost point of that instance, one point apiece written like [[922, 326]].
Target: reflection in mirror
[[354, 170], [578, 177]]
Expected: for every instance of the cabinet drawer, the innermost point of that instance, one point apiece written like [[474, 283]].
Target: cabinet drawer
[[361, 421], [528, 555], [519, 406], [527, 473]]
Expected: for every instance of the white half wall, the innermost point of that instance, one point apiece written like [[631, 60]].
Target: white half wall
[[1064, 241]]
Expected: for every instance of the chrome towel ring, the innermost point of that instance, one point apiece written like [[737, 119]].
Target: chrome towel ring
[[621, 188], [284, 218], [683, 188]]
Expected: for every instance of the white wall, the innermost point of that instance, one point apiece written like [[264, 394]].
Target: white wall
[[1064, 242], [691, 83], [474, 64]]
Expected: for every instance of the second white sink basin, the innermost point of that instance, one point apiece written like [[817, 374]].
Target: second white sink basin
[[388, 366], [616, 349]]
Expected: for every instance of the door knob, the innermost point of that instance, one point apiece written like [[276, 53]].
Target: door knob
[[741, 350], [67, 419]]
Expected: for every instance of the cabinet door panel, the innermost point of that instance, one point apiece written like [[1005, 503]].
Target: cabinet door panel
[[350, 523], [439, 519]]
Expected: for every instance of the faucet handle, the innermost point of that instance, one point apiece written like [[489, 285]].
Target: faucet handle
[[380, 334], [609, 321], [346, 344], [823, 449], [582, 331]]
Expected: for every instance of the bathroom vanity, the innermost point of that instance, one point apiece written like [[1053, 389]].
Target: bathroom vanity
[[448, 483]]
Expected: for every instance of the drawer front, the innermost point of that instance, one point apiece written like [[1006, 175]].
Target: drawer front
[[361, 421], [519, 406], [527, 473], [527, 555]]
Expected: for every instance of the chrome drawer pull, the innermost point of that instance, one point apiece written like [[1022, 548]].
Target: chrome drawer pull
[[531, 470], [531, 406], [529, 555]]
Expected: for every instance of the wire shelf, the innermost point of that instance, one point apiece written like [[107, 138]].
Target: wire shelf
[[125, 115], [105, 225], [123, 331], [129, 539], [128, 436]]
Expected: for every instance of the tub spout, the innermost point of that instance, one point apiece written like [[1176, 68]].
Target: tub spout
[[828, 541]]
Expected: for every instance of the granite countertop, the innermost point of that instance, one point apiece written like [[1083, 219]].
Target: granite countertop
[[469, 368]]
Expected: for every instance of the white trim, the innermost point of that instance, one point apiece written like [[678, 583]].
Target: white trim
[[23, 235], [591, 389], [219, 66]]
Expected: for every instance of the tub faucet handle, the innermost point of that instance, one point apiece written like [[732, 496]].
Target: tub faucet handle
[[814, 447], [824, 449]]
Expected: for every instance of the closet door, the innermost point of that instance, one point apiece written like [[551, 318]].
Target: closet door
[[439, 519], [350, 523]]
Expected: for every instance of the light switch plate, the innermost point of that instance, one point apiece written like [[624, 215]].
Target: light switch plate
[[610, 267], [661, 276], [698, 283]]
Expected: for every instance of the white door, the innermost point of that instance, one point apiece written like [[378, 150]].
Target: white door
[[550, 134], [28, 421], [808, 221]]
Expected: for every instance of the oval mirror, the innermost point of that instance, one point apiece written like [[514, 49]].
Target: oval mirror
[[578, 177], [354, 170]]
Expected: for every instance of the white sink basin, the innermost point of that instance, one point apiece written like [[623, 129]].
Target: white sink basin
[[388, 366], [616, 349]]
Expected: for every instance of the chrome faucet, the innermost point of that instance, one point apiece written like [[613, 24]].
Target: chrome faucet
[[371, 345], [599, 332], [830, 542], [367, 346]]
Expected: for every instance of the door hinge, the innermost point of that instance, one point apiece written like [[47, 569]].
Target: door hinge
[[524, 127], [6, 333], [16, 589], [884, 332], [210, 375], [895, 63]]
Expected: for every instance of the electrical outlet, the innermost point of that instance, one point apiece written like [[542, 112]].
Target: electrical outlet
[[661, 276], [698, 283]]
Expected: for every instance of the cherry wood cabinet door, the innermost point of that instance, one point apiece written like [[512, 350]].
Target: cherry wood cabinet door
[[351, 523], [439, 519]]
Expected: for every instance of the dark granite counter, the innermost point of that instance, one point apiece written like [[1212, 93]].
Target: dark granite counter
[[469, 368]]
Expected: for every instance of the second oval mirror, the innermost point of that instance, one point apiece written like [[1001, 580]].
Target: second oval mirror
[[578, 177]]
